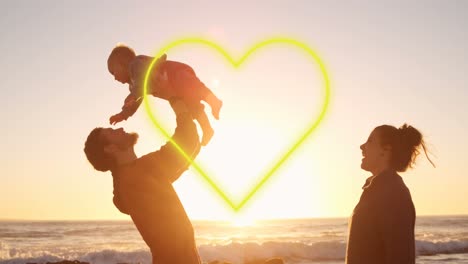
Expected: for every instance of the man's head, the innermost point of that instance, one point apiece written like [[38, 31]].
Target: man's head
[[119, 61], [103, 145]]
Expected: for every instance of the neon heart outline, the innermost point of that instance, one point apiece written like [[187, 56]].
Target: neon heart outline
[[236, 64]]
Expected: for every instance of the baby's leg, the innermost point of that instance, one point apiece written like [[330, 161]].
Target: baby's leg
[[191, 87], [214, 102], [208, 96], [205, 125], [199, 114]]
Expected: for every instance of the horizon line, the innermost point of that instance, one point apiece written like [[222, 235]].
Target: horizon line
[[208, 220]]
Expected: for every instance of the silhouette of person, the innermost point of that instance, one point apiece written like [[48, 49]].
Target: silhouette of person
[[143, 186], [381, 227]]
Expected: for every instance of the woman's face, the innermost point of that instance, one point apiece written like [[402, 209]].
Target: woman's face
[[373, 153]]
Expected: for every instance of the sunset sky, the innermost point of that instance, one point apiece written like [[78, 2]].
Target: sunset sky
[[389, 63]]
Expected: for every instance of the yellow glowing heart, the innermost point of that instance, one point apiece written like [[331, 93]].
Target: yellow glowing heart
[[236, 63]]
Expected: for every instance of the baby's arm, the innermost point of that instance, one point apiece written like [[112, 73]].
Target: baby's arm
[[129, 108]]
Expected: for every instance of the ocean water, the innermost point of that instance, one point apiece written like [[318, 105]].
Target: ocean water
[[301, 241]]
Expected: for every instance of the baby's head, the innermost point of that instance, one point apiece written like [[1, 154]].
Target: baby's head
[[119, 61]]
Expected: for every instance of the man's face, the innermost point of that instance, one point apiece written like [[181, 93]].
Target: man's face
[[118, 137]]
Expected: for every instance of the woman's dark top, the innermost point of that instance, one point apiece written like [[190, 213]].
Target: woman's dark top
[[381, 228]]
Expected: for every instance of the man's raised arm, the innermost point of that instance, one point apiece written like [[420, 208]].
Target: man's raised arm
[[168, 161]]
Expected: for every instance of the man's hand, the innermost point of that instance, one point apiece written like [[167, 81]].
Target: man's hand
[[116, 119]]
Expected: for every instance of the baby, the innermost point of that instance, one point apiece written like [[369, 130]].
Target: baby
[[167, 79]]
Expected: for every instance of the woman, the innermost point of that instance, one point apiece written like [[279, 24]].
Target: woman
[[382, 225]]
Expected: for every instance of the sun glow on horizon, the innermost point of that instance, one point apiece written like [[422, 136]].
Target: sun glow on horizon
[[242, 221]]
